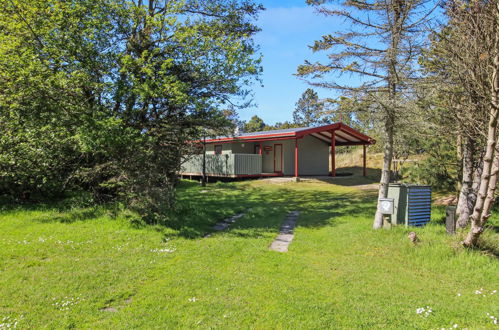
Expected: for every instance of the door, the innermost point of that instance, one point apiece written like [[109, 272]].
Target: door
[[277, 158], [257, 150]]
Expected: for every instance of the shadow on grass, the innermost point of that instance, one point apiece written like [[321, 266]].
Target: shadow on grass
[[72, 215], [200, 208], [68, 202], [487, 248], [352, 176]]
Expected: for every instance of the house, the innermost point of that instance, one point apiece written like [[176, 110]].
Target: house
[[304, 151]]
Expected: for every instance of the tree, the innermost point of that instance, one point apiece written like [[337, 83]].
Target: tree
[[309, 110], [255, 124], [380, 50], [456, 100], [284, 125], [472, 47], [463, 61], [131, 82]]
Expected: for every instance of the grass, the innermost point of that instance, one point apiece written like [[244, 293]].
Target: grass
[[90, 268]]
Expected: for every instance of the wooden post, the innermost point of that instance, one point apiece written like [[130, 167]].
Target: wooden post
[[260, 152], [333, 153], [203, 178], [364, 160], [296, 157]]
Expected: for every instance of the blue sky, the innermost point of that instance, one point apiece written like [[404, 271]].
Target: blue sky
[[288, 28]]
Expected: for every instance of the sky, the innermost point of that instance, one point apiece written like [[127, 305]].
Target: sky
[[288, 28]]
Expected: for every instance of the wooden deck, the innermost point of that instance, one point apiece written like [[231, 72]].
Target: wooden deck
[[234, 176], [225, 166]]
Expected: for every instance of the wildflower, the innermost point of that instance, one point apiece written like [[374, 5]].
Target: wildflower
[[493, 318], [193, 299], [425, 311], [164, 250]]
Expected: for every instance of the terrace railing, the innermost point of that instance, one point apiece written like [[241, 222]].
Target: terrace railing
[[229, 165]]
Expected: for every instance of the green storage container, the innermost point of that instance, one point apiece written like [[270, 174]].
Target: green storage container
[[412, 204]]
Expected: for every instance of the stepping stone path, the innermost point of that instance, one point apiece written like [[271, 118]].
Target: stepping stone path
[[226, 223], [282, 241]]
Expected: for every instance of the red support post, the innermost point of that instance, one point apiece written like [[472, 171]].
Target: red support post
[[296, 158], [364, 160], [260, 150], [333, 153]]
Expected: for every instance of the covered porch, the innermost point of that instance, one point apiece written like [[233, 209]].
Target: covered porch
[[291, 152]]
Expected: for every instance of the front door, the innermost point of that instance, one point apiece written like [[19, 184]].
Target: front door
[[277, 158]]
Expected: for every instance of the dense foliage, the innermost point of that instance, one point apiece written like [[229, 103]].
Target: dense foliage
[[255, 124], [105, 94]]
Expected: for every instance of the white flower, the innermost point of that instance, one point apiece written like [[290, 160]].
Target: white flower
[[164, 250], [427, 311], [193, 299]]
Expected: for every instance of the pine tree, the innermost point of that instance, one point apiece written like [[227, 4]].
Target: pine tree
[[309, 110], [255, 124], [379, 50]]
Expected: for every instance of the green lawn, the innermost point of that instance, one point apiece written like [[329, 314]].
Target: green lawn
[[90, 268]]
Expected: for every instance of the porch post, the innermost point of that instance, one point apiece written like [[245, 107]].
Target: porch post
[[333, 153], [261, 159], [364, 160], [296, 157]]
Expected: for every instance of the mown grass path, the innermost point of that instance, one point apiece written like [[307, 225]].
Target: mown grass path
[[87, 268]]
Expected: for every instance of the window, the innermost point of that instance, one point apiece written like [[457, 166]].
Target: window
[[218, 150], [257, 149]]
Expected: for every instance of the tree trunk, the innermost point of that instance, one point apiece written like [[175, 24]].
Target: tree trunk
[[464, 208], [477, 175], [477, 227], [392, 78], [488, 182], [385, 173]]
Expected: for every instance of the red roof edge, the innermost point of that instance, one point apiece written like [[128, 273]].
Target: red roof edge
[[299, 134]]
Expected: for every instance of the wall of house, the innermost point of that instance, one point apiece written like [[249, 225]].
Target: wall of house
[[287, 156], [232, 148], [313, 157], [243, 147], [226, 148]]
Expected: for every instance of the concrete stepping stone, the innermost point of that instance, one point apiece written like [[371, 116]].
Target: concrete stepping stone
[[224, 224], [286, 235]]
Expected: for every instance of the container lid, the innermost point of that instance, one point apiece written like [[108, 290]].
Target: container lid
[[407, 185]]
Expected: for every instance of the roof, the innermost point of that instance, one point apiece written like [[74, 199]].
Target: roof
[[344, 135]]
